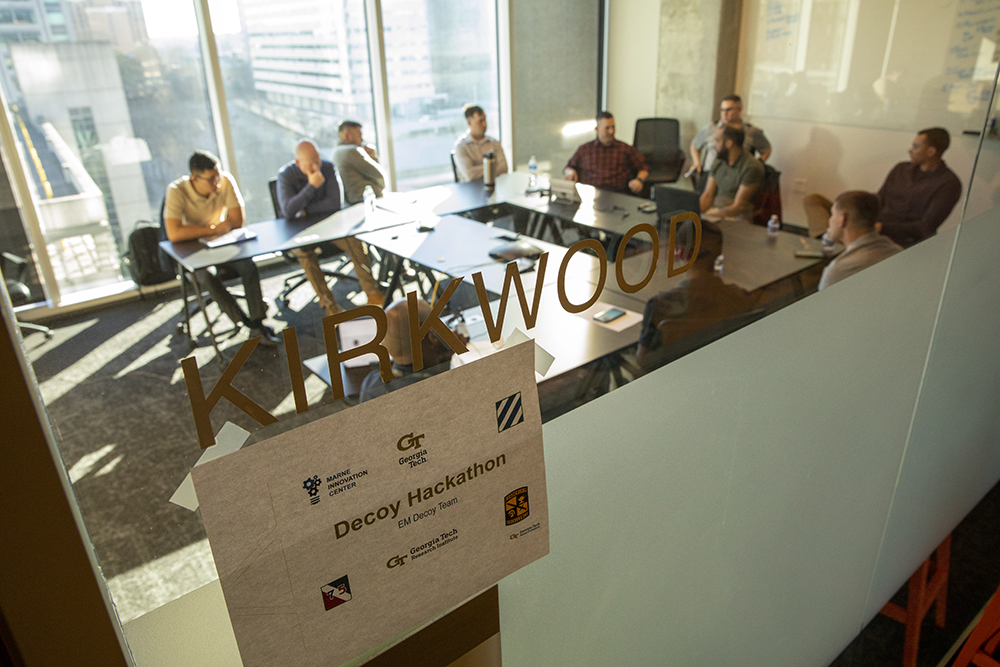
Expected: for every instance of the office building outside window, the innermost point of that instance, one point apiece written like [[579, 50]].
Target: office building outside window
[[290, 76], [430, 79], [105, 115]]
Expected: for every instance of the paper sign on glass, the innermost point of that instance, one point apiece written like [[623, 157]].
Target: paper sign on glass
[[339, 535]]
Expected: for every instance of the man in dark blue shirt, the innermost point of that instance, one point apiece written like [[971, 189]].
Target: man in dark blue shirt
[[308, 187]]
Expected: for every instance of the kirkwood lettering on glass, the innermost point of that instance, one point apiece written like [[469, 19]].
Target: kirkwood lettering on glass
[[202, 406]]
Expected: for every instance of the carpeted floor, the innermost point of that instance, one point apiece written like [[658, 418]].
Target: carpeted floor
[[117, 402]]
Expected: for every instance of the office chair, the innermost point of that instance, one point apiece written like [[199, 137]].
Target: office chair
[[659, 141], [767, 199], [14, 269], [328, 249], [454, 167]]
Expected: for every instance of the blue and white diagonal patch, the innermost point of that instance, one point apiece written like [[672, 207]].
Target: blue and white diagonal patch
[[509, 412]]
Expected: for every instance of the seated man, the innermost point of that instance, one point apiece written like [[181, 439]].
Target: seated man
[[472, 147], [703, 152], [918, 195], [853, 223], [701, 301], [308, 186], [357, 163], [734, 179], [208, 203], [397, 341], [606, 162]]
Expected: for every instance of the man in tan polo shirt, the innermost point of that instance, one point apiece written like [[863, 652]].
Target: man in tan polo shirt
[[208, 203]]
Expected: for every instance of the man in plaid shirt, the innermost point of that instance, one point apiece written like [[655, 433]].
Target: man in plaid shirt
[[606, 162]]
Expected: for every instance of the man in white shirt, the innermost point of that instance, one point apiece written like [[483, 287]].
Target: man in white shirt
[[853, 223], [207, 203], [474, 145]]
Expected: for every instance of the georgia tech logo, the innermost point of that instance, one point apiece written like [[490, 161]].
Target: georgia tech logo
[[396, 561], [409, 441]]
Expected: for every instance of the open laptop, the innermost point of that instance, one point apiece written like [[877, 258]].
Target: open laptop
[[671, 200]]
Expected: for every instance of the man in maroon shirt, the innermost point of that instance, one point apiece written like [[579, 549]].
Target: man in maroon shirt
[[606, 162], [918, 195]]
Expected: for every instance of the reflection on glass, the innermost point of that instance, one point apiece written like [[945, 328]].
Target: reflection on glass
[[431, 79], [290, 75], [105, 110], [885, 64]]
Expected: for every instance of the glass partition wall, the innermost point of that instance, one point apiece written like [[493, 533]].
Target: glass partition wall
[[736, 464]]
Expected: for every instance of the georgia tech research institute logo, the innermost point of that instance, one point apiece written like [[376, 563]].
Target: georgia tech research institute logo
[[515, 506]]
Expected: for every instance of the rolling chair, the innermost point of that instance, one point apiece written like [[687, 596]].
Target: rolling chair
[[659, 141], [454, 167], [298, 278], [14, 269]]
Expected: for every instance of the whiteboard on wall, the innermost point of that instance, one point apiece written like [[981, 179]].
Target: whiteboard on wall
[[896, 64]]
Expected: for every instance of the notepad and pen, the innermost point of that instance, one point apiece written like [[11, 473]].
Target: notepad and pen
[[234, 236]]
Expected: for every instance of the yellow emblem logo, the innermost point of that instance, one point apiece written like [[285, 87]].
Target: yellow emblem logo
[[515, 505]]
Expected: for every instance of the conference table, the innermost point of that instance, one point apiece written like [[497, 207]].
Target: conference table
[[449, 231], [272, 236], [599, 211]]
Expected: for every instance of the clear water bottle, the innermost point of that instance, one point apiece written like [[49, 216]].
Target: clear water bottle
[[719, 262], [369, 197], [532, 172], [773, 227], [828, 245]]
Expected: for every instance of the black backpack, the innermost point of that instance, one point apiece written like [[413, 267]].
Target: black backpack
[[146, 261]]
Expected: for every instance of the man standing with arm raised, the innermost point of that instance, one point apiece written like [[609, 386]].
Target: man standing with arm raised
[[703, 153], [308, 187], [207, 203]]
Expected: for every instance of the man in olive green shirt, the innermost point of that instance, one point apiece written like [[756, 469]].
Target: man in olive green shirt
[[734, 180]]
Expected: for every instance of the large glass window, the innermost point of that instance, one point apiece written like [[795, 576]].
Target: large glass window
[[105, 111], [439, 56], [290, 73]]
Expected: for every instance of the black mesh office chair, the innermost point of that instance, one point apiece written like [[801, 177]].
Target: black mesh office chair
[[14, 269], [327, 250], [454, 167], [659, 139]]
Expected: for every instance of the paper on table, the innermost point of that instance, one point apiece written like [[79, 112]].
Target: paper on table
[[630, 318], [334, 537], [231, 437], [234, 236]]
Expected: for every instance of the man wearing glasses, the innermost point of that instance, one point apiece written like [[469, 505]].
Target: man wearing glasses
[[703, 145], [207, 203]]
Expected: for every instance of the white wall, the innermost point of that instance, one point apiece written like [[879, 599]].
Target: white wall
[[633, 47], [829, 159]]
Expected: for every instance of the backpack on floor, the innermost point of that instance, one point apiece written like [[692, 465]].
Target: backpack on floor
[[144, 255]]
